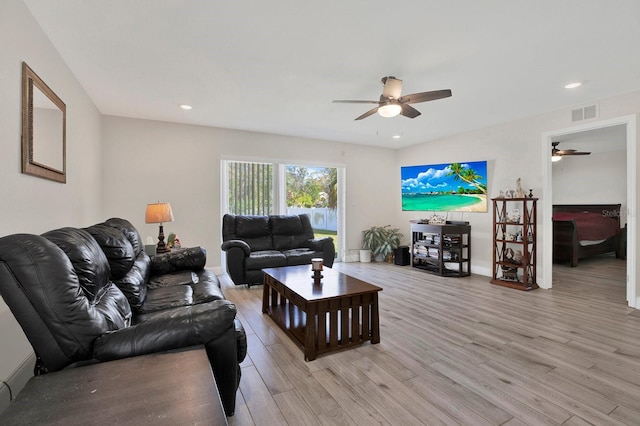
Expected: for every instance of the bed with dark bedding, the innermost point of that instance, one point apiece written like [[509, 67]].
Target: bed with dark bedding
[[583, 230]]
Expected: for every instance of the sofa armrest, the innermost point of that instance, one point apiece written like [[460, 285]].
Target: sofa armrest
[[170, 329], [190, 259], [324, 245], [228, 245], [237, 251]]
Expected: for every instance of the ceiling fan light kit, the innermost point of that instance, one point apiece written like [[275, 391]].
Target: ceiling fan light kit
[[389, 110], [392, 104]]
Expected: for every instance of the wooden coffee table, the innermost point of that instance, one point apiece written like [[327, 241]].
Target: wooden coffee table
[[339, 312]]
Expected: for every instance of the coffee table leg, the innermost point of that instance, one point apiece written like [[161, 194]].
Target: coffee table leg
[[375, 320], [310, 333], [265, 297]]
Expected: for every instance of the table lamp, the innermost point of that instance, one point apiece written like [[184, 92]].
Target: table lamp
[[159, 213]]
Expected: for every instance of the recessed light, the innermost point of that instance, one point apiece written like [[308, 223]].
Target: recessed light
[[396, 136], [573, 85], [186, 107]]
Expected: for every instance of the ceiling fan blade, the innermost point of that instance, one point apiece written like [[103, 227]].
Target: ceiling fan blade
[[392, 88], [368, 113], [355, 102], [566, 151], [409, 111], [414, 98]]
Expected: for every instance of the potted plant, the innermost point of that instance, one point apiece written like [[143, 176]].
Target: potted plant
[[381, 240]]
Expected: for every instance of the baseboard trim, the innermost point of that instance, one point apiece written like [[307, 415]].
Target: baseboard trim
[[16, 381]]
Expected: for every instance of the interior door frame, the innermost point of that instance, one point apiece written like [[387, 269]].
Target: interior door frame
[[547, 227]]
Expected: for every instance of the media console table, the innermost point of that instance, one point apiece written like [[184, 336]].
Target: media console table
[[168, 388], [441, 249]]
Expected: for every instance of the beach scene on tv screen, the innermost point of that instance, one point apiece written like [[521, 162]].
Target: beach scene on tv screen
[[445, 187]]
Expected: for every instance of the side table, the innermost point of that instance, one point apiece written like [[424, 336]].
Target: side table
[[167, 388]]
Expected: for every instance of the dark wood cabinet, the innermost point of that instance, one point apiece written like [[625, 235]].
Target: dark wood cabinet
[[514, 242], [441, 249]]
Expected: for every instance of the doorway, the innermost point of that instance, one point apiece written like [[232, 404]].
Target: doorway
[[629, 122]]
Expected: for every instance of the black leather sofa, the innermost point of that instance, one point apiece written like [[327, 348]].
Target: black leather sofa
[[252, 243], [93, 294]]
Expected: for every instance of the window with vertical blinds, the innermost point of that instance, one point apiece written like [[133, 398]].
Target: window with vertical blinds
[[250, 188]]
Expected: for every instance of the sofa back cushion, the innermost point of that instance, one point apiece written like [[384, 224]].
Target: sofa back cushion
[[130, 231], [130, 265], [289, 232], [254, 230], [86, 256], [116, 247]]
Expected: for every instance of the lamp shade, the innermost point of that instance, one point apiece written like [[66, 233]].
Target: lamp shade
[[158, 213]]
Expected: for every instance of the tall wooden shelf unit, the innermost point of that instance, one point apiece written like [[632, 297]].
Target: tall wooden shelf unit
[[442, 249], [514, 234]]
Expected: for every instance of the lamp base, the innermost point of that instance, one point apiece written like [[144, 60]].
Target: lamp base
[[161, 247]]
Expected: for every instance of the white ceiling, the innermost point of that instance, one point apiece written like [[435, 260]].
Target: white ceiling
[[276, 66]]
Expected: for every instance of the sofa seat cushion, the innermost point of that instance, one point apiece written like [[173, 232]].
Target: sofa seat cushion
[[166, 298], [181, 288], [265, 259], [300, 256], [172, 279]]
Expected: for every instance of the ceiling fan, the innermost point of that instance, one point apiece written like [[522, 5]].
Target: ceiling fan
[[557, 154], [391, 102]]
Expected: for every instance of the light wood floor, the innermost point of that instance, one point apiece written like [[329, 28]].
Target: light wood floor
[[457, 351]]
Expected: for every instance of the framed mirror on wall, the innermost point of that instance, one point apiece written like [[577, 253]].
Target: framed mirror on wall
[[44, 118]]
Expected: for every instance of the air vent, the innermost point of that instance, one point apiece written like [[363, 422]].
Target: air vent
[[584, 113]]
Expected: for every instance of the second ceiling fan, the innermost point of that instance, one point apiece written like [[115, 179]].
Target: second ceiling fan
[[391, 102], [557, 153]]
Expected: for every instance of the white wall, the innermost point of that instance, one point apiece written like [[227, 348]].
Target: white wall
[[32, 204], [146, 161]]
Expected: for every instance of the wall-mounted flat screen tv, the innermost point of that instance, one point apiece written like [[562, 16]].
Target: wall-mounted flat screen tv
[[458, 187]]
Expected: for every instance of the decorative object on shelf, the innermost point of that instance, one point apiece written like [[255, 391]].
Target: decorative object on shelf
[[508, 255], [382, 241], [530, 193], [159, 213], [436, 219], [510, 274], [519, 192], [517, 257]]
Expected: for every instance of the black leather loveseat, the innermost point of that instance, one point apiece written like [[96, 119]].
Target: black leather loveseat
[[93, 294], [256, 242]]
